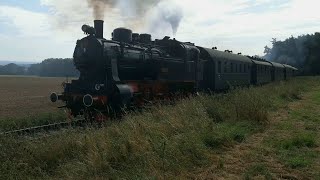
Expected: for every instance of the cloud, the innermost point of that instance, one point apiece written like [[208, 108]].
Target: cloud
[[230, 25], [33, 49], [27, 23], [239, 25], [28, 36], [153, 16], [218, 20]]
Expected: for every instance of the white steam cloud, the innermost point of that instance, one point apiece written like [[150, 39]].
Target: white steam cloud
[[166, 12], [158, 17]]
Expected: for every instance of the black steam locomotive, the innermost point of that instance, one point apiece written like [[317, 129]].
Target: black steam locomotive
[[131, 70]]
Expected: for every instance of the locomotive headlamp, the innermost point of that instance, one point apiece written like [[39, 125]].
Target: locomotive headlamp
[[54, 97]]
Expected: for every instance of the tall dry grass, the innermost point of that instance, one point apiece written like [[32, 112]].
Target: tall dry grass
[[163, 142]]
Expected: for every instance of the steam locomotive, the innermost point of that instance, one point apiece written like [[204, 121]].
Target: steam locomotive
[[131, 70]]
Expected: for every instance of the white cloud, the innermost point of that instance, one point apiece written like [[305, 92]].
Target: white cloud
[[239, 25], [33, 49], [27, 23], [229, 30], [28, 36]]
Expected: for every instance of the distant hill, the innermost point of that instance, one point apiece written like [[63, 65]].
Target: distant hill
[[20, 63], [12, 69], [54, 67]]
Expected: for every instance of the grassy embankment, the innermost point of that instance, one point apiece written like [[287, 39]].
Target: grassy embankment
[[195, 137]]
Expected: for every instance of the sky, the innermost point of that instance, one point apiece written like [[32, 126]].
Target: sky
[[34, 30]]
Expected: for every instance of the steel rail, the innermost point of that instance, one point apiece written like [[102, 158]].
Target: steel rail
[[48, 127]]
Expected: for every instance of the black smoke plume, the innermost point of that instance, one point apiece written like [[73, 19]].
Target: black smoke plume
[[99, 7]]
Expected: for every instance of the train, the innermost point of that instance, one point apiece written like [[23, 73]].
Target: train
[[131, 70]]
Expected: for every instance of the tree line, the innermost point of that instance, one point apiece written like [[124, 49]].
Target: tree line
[[302, 52], [54, 67]]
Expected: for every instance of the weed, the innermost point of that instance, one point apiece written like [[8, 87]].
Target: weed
[[257, 170], [7, 124], [299, 141], [298, 162], [225, 134]]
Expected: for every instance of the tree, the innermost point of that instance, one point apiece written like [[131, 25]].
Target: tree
[[267, 50], [49, 68], [302, 52], [12, 69]]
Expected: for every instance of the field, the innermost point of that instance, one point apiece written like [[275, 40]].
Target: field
[[23, 98], [27, 96], [268, 132]]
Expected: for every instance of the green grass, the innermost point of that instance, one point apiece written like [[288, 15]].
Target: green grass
[[297, 138], [226, 134], [299, 141], [296, 151], [257, 170], [164, 142], [8, 124]]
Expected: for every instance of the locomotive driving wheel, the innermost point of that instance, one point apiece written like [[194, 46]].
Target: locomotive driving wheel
[[95, 116]]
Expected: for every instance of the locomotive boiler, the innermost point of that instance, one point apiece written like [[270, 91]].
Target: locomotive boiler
[[129, 70]]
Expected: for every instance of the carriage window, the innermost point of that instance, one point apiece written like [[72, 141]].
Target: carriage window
[[219, 66], [225, 67], [231, 67], [241, 68], [245, 68]]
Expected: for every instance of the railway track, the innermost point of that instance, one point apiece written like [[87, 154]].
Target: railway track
[[48, 127]]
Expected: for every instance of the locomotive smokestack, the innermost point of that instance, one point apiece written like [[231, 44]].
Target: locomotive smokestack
[[98, 26]]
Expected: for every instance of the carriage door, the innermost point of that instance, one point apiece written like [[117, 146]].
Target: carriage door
[[285, 73], [273, 73], [254, 73], [209, 75]]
